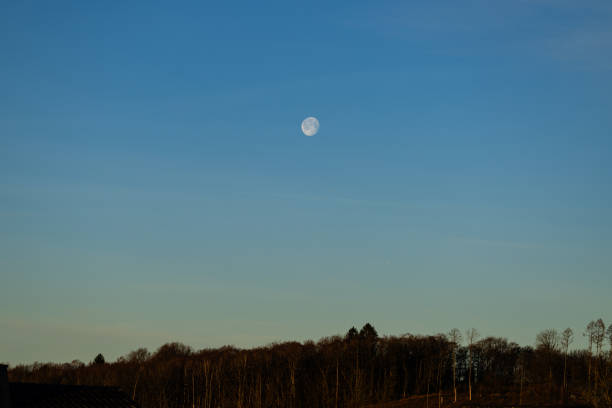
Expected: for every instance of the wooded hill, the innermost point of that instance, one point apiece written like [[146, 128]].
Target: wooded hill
[[358, 369]]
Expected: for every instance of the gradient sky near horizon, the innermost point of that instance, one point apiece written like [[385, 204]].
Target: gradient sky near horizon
[[155, 185]]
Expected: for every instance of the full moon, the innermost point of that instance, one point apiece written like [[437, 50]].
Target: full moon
[[310, 126]]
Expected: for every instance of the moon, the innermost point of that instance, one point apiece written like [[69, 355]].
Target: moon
[[310, 126]]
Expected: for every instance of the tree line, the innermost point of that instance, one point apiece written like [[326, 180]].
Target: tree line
[[353, 370]]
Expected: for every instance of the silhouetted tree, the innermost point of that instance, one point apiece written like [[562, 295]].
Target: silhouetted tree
[[471, 335], [99, 359], [352, 334], [455, 338], [368, 332], [357, 369], [567, 337], [599, 333], [609, 336], [547, 340], [590, 334]]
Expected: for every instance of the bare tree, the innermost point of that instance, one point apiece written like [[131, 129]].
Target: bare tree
[[471, 335], [442, 353], [567, 337], [548, 340], [348, 372], [590, 332], [521, 365], [599, 334], [455, 337]]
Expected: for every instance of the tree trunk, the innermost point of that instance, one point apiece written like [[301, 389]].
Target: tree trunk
[[428, 378], [337, 382], [439, 384], [470, 376], [454, 374], [135, 385], [521, 390], [565, 373]]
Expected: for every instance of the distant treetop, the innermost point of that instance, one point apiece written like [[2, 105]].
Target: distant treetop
[[99, 359], [368, 332], [351, 334]]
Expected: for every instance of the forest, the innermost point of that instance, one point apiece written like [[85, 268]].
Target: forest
[[361, 368]]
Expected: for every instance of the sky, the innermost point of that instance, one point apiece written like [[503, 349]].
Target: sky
[[155, 185]]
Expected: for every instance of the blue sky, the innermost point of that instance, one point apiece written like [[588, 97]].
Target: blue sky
[[156, 187]]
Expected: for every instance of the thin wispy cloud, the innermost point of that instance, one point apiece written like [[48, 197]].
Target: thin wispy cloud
[[565, 31], [498, 243], [585, 47]]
